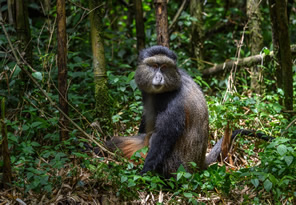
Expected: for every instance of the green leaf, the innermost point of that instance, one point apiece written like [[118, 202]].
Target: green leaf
[[179, 175], [48, 188], [133, 84], [289, 160], [25, 127], [173, 36], [131, 183], [181, 169], [266, 51], [29, 175], [123, 179], [188, 195], [80, 154], [193, 164], [255, 182], [36, 124], [136, 177], [35, 144], [282, 149], [130, 76], [122, 88], [187, 175], [16, 71], [267, 185], [206, 173], [171, 185], [37, 75]]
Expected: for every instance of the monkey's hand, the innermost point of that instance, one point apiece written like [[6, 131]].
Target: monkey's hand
[[145, 170]]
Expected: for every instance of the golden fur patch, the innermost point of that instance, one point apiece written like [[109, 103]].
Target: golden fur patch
[[131, 145], [161, 59]]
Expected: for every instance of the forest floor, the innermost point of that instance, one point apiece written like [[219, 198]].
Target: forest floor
[[84, 189]]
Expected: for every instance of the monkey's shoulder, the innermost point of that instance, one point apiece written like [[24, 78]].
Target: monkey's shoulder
[[188, 83]]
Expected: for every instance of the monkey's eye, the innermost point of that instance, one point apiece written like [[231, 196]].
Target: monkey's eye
[[154, 65], [163, 66]]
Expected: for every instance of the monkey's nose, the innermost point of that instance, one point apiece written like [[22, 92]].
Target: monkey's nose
[[158, 79]]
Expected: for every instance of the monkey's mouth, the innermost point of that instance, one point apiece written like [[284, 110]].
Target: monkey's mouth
[[157, 88]]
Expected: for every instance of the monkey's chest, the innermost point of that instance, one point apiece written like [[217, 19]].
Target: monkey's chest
[[150, 118]]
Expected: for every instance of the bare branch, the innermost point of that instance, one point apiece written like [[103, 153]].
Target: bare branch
[[248, 61], [177, 15]]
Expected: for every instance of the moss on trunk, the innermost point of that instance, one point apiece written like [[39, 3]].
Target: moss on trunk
[[99, 64]]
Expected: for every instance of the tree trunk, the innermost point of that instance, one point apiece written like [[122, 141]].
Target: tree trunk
[[197, 33], [130, 17], [11, 11], [281, 42], [23, 31], [7, 174], [162, 22], [255, 42], [62, 67], [139, 25], [275, 42], [99, 65]]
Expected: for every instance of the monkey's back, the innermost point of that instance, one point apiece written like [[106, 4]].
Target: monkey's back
[[192, 145]]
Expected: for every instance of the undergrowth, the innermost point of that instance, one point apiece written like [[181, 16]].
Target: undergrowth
[[266, 169], [46, 170]]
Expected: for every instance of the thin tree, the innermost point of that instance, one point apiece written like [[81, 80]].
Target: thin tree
[[18, 16], [22, 28], [62, 68], [197, 33], [11, 11], [162, 22], [255, 42], [6, 167], [140, 30], [130, 16], [46, 7], [99, 64], [281, 46]]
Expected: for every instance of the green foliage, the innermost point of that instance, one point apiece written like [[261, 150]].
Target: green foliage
[[41, 163], [234, 108], [125, 95], [183, 185], [276, 173]]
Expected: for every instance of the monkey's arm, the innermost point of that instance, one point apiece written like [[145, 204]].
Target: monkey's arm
[[168, 128]]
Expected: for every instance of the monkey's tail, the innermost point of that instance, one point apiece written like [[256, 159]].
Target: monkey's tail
[[128, 145], [217, 149]]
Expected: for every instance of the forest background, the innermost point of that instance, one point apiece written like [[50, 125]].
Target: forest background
[[66, 76]]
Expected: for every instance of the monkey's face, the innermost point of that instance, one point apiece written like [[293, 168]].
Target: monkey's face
[[158, 74]]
